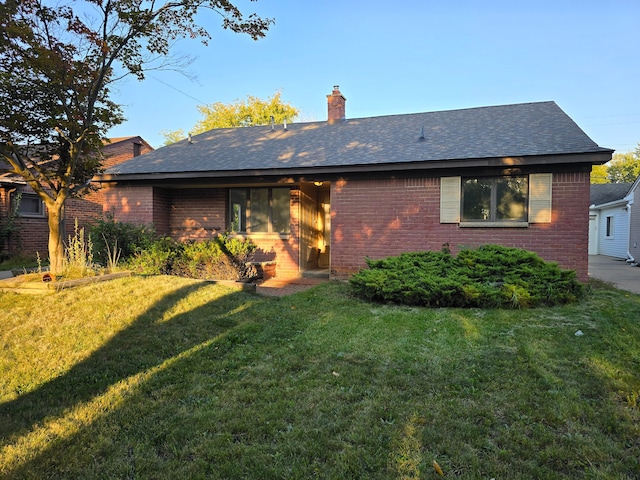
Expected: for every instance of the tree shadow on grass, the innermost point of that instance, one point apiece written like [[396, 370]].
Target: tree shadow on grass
[[146, 343], [226, 408], [199, 407]]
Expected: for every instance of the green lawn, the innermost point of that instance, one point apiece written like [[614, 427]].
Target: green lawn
[[169, 378]]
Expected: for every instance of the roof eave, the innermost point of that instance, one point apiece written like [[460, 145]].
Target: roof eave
[[611, 204], [601, 156]]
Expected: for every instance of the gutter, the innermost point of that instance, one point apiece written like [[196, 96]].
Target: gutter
[[613, 203]]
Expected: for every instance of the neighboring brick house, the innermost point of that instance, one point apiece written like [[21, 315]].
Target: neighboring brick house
[[33, 232], [330, 194], [614, 221]]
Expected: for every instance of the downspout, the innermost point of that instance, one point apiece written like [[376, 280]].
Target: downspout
[[9, 210], [596, 214], [630, 258]]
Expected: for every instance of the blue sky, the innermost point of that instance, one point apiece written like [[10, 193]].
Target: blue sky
[[411, 56]]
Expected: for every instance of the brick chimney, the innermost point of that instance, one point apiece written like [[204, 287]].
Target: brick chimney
[[335, 104]]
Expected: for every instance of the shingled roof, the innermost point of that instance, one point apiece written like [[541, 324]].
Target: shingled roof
[[520, 130], [608, 192]]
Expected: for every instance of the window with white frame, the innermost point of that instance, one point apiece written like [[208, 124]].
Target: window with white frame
[[609, 227], [259, 210]]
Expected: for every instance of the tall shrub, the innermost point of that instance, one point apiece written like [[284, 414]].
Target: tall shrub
[[110, 237]]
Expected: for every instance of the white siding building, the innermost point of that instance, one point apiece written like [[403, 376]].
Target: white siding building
[[614, 221]]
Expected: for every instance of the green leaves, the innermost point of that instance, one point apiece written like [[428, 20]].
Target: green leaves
[[623, 168], [57, 62], [248, 112], [221, 258], [487, 277], [245, 113]]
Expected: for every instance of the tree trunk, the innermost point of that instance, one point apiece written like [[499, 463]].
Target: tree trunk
[[56, 237]]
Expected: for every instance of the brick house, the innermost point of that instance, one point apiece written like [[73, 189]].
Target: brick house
[[33, 232], [326, 195]]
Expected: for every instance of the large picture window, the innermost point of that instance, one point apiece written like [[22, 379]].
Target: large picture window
[[495, 199], [259, 210]]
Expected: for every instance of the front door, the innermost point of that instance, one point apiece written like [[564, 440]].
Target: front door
[[315, 226]]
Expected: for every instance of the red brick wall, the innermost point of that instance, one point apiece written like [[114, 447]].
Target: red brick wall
[[370, 218], [197, 214], [378, 218], [84, 209], [141, 205], [123, 150], [161, 202], [31, 238], [32, 235], [116, 153], [129, 204]]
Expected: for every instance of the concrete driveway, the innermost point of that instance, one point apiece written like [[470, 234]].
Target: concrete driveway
[[615, 271]]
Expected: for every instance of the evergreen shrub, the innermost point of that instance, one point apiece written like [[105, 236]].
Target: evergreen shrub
[[491, 276]]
